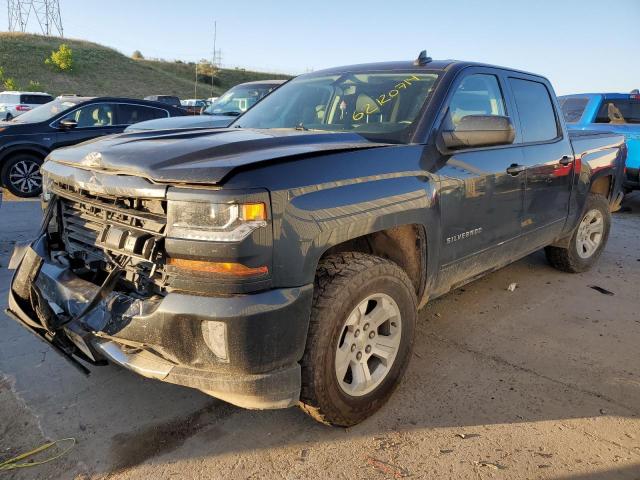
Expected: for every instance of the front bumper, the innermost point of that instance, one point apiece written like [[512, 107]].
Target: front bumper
[[162, 337]]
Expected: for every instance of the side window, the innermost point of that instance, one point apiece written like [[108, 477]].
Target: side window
[[573, 108], [129, 114], [537, 117], [477, 94], [35, 99], [98, 115], [619, 112]]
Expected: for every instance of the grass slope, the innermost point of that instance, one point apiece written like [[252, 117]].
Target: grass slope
[[101, 71]]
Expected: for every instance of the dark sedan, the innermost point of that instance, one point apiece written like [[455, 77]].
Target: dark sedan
[[27, 140]]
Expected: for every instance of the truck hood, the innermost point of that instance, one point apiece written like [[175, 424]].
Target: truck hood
[[200, 156], [189, 121]]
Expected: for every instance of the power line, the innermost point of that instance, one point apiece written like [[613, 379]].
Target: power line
[[45, 12]]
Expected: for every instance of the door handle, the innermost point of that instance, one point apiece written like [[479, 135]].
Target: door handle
[[565, 160], [516, 169]]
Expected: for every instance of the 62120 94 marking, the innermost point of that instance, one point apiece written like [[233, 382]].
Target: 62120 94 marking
[[384, 98]]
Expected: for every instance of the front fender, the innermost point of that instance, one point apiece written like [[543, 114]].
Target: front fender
[[322, 216]]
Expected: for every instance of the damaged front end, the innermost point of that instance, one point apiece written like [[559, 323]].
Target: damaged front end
[[97, 285]]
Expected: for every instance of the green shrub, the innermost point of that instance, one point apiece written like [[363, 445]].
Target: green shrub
[[61, 58], [10, 84], [34, 86]]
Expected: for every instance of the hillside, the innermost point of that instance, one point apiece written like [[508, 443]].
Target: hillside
[[100, 71]]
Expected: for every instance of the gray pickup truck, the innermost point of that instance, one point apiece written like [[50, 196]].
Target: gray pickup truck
[[282, 261]]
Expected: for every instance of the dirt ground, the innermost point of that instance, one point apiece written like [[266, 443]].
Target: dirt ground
[[539, 383]]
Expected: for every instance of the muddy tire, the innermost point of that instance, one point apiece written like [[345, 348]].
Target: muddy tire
[[21, 175], [360, 337], [587, 241]]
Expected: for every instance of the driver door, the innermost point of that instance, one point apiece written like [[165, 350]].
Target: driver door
[[93, 120], [482, 194]]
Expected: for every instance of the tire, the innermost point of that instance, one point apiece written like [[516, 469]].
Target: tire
[[22, 165], [344, 282], [578, 257]]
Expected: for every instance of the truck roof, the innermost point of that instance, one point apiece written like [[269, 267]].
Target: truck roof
[[606, 95], [443, 65]]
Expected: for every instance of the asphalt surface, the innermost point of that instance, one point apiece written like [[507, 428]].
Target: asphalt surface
[[541, 382]]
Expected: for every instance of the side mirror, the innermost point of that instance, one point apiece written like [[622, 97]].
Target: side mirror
[[479, 131], [67, 124]]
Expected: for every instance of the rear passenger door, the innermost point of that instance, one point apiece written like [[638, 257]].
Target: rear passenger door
[[547, 156]]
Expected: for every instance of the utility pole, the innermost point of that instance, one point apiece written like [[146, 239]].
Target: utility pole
[[195, 85], [213, 58]]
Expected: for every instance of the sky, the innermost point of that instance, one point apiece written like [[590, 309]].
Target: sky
[[579, 45]]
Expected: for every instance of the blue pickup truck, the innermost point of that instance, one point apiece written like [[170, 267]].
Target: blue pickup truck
[[610, 112]]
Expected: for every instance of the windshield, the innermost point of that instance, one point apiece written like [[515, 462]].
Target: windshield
[[238, 99], [380, 106], [46, 111]]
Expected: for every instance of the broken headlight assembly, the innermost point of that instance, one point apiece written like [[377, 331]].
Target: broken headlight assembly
[[216, 222]]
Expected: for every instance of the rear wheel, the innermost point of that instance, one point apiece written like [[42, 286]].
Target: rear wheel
[[588, 239], [21, 175], [360, 337]]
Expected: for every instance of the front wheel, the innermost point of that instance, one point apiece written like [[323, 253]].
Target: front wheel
[[21, 175], [360, 337], [588, 239]]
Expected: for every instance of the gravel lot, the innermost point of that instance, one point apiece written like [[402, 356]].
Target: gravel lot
[[541, 382]]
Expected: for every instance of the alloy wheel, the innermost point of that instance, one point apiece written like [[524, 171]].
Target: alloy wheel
[[368, 345], [25, 176], [590, 233]]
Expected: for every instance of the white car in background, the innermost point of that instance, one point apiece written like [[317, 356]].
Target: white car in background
[[14, 104]]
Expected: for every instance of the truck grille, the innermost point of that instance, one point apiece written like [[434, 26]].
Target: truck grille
[[97, 227]]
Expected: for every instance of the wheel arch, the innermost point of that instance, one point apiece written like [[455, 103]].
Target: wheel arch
[[14, 150], [405, 245]]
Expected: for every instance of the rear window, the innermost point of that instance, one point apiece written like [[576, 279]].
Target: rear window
[[573, 108], [35, 99], [537, 117], [169, 100], [619, 111]]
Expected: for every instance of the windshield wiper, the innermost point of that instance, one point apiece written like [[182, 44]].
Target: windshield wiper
[[229, 114]]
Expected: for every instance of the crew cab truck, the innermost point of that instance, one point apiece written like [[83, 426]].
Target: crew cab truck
[[609, 112], [282, 261]]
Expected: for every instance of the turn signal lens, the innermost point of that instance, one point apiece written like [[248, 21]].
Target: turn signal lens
[[253, 212], [227, 269]]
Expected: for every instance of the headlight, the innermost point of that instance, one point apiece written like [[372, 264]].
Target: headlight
[[218, 222]]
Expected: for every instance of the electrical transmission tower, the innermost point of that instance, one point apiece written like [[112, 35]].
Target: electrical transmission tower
[[45, 12]]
